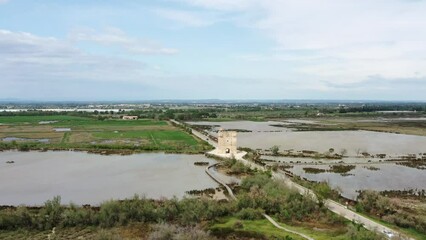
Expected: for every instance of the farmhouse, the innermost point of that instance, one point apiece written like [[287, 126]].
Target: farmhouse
[[130, 117]]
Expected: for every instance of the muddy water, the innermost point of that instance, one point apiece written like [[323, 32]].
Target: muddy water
[[389, 177], [245, 125], [354, 142], [84, 178], [347, 160], [11, 139]]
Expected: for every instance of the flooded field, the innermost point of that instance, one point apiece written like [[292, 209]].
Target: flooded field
[[245, 125], [307, 160], [84, 178], [264, 136], [11, 139], [386, 177]]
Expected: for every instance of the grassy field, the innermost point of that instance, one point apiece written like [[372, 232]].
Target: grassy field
[[88, 133], [254, 226], [264, 227]]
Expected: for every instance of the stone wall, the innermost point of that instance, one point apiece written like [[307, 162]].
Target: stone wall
[[227, 142]]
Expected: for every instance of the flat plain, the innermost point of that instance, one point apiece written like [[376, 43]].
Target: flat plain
[[71, 132]]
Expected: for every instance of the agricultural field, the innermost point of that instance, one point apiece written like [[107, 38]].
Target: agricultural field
[[72, 132]]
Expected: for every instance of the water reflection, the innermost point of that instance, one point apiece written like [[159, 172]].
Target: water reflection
[[85, 178], [388, 177], [265, 135]]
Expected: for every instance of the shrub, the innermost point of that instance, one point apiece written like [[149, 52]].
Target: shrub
[[76, 216], [259, 180], [109, 214], [238, 225], [51, 213], [105, 235], [250, 214], [167, 231]]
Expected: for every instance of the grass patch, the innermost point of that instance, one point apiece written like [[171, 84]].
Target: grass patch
[[250, 227], [266, 228]]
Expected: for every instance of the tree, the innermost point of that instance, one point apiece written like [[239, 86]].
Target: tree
[[274, 149]]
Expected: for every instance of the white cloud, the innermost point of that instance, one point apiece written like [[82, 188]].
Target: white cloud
[[188, 18], [346, 41], [3, 1], [227, 5], [25, 57], [116, 37]]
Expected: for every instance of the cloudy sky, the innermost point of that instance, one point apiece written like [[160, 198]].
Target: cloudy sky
[[203, 49]]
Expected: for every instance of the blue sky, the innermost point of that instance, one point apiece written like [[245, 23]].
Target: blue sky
[[203, 49]]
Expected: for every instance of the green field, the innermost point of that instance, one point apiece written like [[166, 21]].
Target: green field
[[264, 227], [158, 138], [91, 133]]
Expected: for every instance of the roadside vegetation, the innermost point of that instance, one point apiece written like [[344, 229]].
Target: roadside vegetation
[[406, 211]]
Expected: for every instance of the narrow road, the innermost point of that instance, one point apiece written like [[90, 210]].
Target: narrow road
[[218, 180], [197, 134], [333, 206]]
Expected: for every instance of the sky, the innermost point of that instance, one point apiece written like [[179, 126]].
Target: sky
[[212, 49]]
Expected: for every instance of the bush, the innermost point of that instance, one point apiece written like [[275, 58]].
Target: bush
[[109, 214], [51, 214], [238, 225], [76, 216], [167, 231], [105, 235], [250, 214], [257, 180]]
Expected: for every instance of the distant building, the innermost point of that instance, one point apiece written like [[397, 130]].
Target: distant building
[[130, 117], [227, 142]]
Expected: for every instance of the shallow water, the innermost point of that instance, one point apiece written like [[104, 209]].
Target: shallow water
[[47, 122], [62, 129], [354, 142], [245, 125], [389, 177], [84, 178], [306, 160], [11, 139]]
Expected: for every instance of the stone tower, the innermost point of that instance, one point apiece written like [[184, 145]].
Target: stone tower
[[227, 142]]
